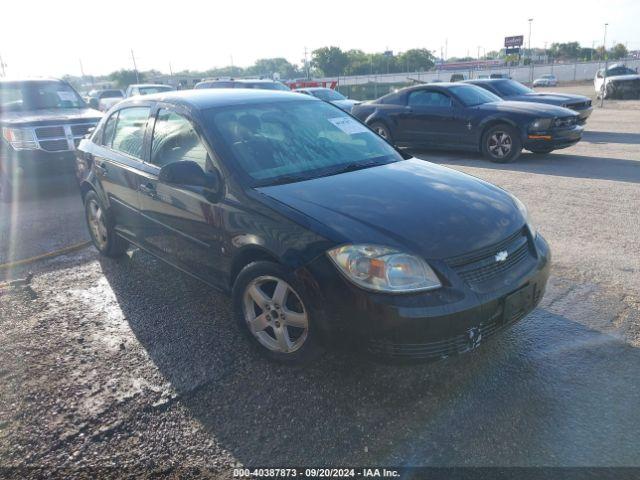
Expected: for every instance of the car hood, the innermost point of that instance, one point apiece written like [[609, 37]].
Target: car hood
[[550, 98], [623, 77], [49, 116], [534, 109], [413, 205], [346, 104]]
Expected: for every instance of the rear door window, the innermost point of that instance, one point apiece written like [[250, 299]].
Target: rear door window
[[427, 98], [129, 131]]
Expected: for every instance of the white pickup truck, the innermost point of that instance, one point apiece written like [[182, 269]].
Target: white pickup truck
[[619, 82]]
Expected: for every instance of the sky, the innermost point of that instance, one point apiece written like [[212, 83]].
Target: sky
[[45, 38]]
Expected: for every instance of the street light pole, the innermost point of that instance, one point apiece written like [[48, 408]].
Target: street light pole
[[606, 59], [530, 56], [135, 67]]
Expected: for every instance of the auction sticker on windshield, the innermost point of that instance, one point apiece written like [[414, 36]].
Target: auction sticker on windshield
[[348, 125]]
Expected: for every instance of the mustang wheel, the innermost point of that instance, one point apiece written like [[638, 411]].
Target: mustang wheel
[[501, 143], [271, 309], [101, 228], [382, 130]]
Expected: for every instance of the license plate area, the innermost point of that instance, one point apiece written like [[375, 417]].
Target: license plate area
[[518, 303]]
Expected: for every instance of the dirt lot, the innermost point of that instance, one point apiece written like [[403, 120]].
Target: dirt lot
[[117, 368]]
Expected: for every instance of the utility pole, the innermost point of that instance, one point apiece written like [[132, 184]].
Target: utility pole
[[530, 55], [135, 67], [2, 65], [81, 68], [306, 64], [446, 45], [606, 58]]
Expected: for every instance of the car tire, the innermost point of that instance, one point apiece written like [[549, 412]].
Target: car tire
[[501, 143], [541, 151], [382, 130], [271, 309], [101, 230]]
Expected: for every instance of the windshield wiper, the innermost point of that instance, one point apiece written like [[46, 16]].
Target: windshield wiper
[[286, 179], [352, 167]]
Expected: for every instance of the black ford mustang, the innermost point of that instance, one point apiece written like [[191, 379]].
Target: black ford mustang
[[511, 90], [317, 227], [466, 117]]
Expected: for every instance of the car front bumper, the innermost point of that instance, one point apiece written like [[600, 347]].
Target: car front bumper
[[18, 164], [553, 139], [428, 325]]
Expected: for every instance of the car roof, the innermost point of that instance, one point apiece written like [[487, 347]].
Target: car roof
[[149, 85], [486, 80], [202, 99], [30, 80]]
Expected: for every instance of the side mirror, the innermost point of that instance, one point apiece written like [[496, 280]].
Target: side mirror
[[93, 102], [190, 176]]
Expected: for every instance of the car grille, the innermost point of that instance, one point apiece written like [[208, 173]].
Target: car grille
[[565, 122], [81, 130], [54, 145], [480, 269], [579, 105], [457, 344], [50, 132]]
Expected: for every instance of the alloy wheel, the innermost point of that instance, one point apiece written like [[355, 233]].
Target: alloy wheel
[[95, 216], [500, 144], [275, 314]]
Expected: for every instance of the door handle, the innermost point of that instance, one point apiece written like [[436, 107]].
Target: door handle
[[148, 189], [102, 169]]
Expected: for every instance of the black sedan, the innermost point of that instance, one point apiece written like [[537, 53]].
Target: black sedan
[[512, 90], [465, 117], [318, 228]]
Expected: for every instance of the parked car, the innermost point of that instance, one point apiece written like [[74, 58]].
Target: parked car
[[331, 96], [462, 116], [457, 77], [262, 84], [512, 90], [548, 80], [103, 100], [499, 75], [146, 89], [316, 226], [42, 121], [620, 82]]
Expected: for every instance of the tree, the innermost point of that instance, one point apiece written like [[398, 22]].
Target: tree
[[565, 51], [416, 59], [331, 61], [618, 51], [124, 78], [269, 66]]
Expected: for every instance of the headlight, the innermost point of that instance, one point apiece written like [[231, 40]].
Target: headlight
[[540, 124], [384, 269], [526, 215], [20, 138]]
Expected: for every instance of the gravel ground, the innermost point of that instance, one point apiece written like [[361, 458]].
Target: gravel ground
[[128, 368]]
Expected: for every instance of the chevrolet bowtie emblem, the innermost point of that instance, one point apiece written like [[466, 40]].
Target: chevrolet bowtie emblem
[[501, 256]]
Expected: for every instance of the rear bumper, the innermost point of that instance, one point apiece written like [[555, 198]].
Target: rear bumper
[[429, 325], [554, 139]]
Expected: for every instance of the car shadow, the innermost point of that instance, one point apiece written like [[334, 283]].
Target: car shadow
[[590, 136], [555, 163], [548, 385]]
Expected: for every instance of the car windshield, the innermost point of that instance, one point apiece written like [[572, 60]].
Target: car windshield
[[510, 88], [111, 94], [327, 95], [470, 95], [281, 142], [611, 72], [155, 89], [16, 96]]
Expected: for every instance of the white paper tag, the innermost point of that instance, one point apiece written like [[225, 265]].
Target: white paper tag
[[348, 125], [66, 96]]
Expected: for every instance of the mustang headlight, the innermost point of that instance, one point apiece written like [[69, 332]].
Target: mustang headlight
[[525, 213], [384, 269], [540, 124]]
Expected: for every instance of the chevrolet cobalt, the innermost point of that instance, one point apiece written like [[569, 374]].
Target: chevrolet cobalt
[[318, 228]]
